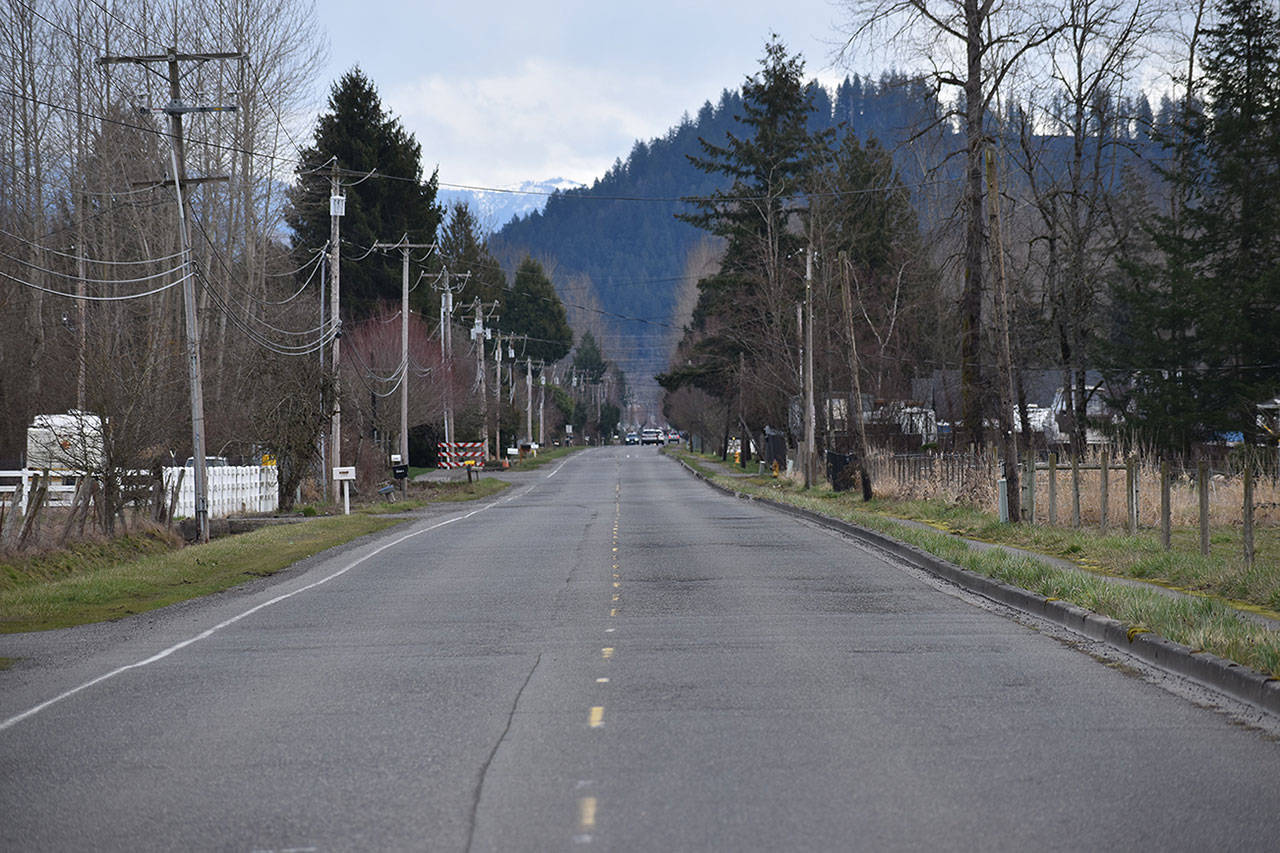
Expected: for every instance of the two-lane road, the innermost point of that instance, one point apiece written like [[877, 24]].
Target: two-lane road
[[612, 656]]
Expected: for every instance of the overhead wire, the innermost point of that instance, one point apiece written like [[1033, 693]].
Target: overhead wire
[[230, 275], [314, 269], [319, 253], [75, 277], [159, 260], [88, 298]]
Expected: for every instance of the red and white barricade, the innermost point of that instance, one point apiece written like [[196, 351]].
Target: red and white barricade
[[454, 454]]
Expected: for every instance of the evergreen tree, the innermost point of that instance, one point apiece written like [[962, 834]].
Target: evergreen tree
[[588, 359], [742, 316], [531, 307], [393, 203], [463, 249], [1200, 315]]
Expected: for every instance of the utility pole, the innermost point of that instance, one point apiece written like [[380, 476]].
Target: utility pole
[[446, 344], [324, 471], [404, 248], [497, 399], [810, 416], [337, 207], [528, 399], [479, 334], [542, 407], [175, 109]]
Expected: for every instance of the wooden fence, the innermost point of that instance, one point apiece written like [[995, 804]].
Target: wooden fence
[[25, 494], [1100, 491]]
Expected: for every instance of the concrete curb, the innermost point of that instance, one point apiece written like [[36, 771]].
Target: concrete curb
[[1233, 679]]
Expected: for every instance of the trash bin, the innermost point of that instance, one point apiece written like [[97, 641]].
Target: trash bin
[[842, 471]]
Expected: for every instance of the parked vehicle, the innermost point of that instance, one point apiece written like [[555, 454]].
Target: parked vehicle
[[209, 462]]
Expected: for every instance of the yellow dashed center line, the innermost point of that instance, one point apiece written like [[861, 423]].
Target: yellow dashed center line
[[596, 718], [607, 652], [586, 814]]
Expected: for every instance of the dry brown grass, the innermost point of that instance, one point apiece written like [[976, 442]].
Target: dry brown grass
[[971, 482]]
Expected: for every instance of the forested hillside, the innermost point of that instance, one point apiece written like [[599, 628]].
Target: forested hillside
[[622, 232]]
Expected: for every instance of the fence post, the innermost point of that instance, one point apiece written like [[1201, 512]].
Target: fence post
[[1202, 486], [13, 518], [1053, 490], [1104, 491], [1165, 521], [1248, 514], [1075, 490], [1131, 492], [1031, 487]]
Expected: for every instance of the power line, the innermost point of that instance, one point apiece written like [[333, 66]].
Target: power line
[[70, 256], [87, 298], [75, 277]]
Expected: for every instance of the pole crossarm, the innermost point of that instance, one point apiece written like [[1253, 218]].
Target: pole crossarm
[[175, 110]]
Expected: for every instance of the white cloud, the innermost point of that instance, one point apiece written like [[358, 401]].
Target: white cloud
[[545, 119]]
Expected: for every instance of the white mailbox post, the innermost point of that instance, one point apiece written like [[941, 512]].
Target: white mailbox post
[[345, 475]]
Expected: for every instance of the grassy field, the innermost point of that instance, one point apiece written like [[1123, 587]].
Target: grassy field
[[99, 581], [1209, 620]]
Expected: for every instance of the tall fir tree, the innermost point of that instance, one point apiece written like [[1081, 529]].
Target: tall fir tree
[[463, 249], [532, 308], [393, 203], [1200, 312], [588, 360], [742, 317]]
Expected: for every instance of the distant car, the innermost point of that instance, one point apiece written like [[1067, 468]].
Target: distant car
[[633, 438], [650, 435], [209, 462], [673, 437]]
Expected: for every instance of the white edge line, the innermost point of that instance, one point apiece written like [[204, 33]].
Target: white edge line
[[31, 712]]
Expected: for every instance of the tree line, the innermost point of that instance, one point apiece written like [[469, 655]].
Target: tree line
[[1045, 218], [92, 262]]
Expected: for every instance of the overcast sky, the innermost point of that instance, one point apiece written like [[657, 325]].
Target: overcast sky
[[498, 92]]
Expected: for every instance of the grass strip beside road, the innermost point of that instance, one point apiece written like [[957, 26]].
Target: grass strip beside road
[[546, 456], [104, 589], [101, 581], [1202, 622]]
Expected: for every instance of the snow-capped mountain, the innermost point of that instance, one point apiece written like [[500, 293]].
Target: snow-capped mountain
[[495, 208]]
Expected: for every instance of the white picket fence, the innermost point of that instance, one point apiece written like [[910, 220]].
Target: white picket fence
[[233, 490]]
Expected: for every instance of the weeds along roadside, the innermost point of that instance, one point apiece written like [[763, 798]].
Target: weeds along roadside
[[102, 581], [1206, 621]]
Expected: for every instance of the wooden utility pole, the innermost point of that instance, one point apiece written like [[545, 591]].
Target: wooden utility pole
[[446, 345], [404, 248], [175, 109], [479, 334], [497, 400], [337, 207], [528, 399], [810, 415], [542, 407]]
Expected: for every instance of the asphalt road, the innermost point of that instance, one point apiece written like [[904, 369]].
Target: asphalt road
[[612, 657]]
